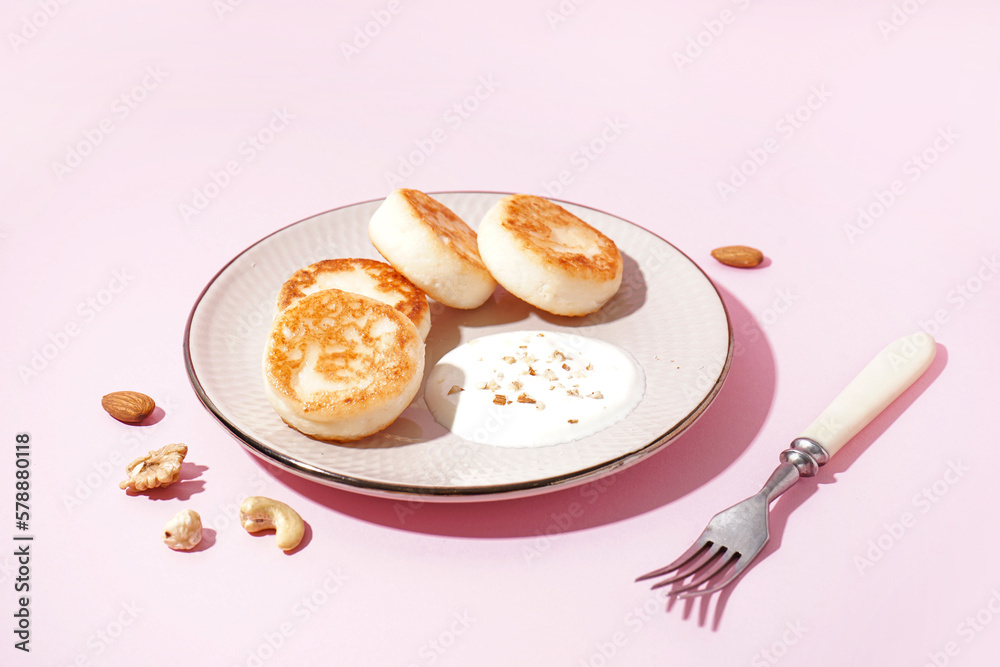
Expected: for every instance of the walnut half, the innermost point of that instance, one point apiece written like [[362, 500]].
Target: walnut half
[[160, 467]]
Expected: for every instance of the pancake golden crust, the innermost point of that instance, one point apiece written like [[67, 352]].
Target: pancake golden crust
[[545, 255], [456, 236], [341, 366], [434, 248], [545, 230], [368, 277]]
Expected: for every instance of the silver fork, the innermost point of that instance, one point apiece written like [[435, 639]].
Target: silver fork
[[735, 536]]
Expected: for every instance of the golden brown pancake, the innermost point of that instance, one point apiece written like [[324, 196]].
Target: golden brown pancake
[[368, 277], [545, 255], [434, 248], [340, 365]]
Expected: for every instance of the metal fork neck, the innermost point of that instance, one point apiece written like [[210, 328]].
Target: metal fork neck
[[805, 454], [782, 479], [802, 459]]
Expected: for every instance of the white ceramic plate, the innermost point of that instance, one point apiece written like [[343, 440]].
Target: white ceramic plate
[[667, 314]]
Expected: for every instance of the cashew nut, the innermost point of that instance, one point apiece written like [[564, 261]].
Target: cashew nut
[[260, 513], [183, 531]]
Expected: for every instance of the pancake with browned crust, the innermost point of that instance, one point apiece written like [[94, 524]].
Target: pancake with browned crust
[[341, 366], [426, 242], [368, 277], [545, 255]]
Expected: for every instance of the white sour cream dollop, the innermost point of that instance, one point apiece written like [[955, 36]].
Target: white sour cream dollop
[[533, 388]]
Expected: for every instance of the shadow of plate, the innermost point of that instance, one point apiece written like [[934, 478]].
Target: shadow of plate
[[712, 443]]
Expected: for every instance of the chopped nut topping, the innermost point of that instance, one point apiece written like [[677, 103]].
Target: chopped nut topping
[[524, 398], [595, 394], [509, 360], [500, 399], [160, 467], [516, 385], [455, 389], [572, 421], [572, 392], [539, 405], [565, 367], [558, 356], [550, 374], [531, 371]]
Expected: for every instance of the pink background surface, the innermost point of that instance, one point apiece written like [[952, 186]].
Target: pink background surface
[[116, 121]]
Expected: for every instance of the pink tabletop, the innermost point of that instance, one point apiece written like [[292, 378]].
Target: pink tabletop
[[856, 146]]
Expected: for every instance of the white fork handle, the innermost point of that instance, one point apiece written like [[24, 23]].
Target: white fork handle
[[877, 385]]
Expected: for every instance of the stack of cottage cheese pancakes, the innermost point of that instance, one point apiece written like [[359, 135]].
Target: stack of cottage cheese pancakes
[[345, 353]]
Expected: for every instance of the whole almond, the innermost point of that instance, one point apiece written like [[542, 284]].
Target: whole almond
[[738, 255], [130, 407]]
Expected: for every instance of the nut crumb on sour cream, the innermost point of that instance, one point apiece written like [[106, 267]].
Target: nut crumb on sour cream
[[487, 389]]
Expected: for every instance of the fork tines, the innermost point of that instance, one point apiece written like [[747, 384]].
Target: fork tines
[[704, 563]]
